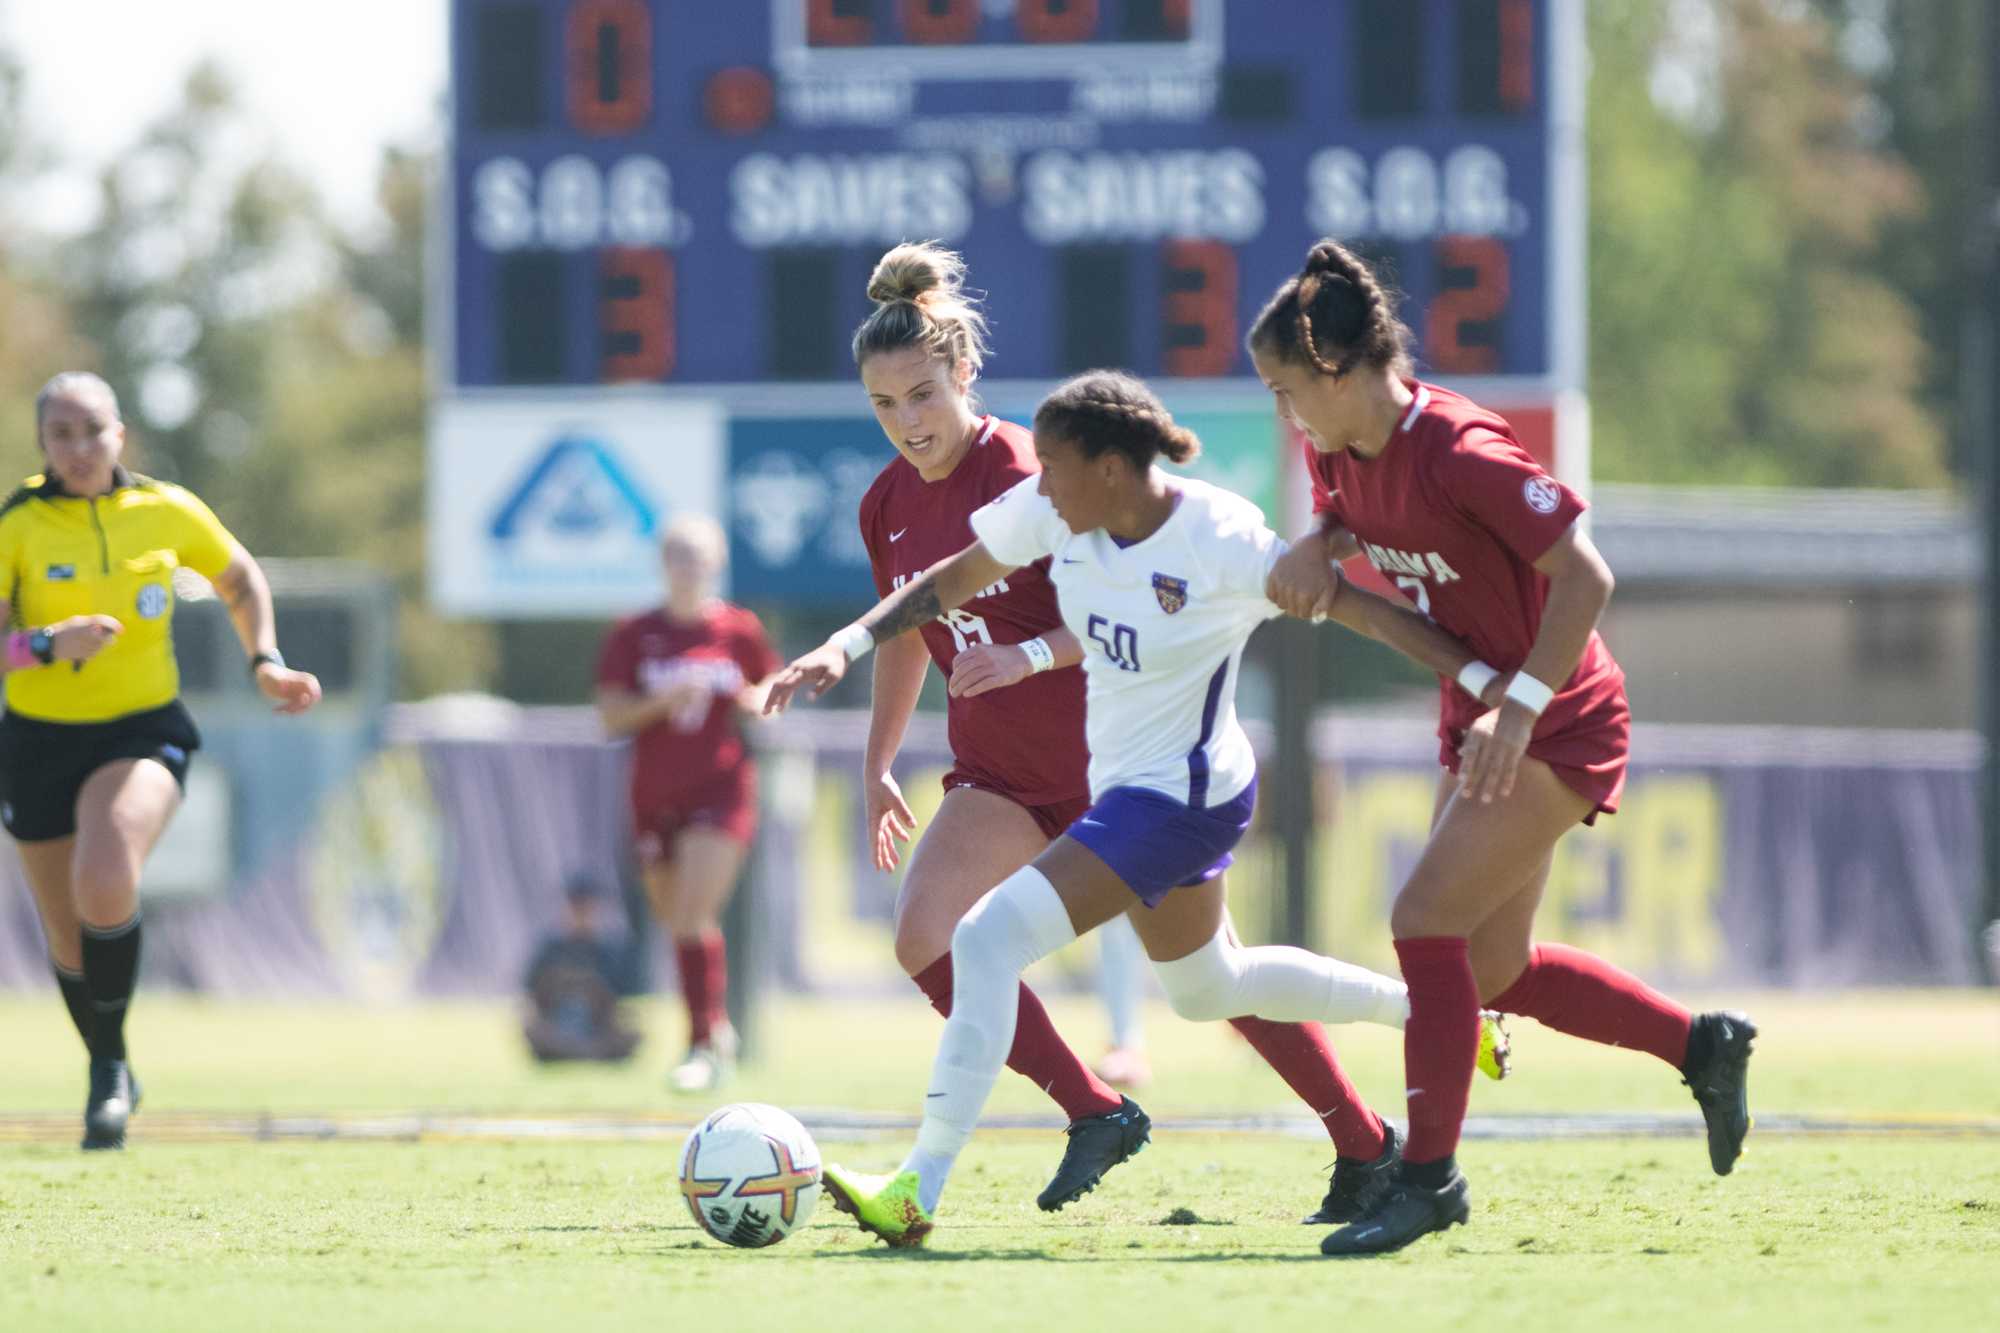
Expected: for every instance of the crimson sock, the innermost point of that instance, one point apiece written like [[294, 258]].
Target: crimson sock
[[1303, 1058], [1440, 1042], [704, 973], [1581, 994], [1040, 1054]]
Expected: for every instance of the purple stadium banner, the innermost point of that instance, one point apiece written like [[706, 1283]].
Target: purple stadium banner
[[1742, 857]]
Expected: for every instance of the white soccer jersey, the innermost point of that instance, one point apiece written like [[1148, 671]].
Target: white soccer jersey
[[1163, 623]]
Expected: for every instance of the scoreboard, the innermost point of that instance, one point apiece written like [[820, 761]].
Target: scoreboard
[[693, 192]]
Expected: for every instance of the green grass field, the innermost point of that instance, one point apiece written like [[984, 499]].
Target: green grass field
[[188, 1230]]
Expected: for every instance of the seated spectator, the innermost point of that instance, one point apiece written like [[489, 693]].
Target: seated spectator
[[573, 1008]]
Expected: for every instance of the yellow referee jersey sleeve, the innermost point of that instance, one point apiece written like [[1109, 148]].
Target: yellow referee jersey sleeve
[[205, 546]]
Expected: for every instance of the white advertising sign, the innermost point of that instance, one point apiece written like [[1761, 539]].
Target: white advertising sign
[[553, 504]]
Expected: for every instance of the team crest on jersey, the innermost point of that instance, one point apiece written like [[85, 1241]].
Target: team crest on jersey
[[1542, 494], [152, 601], [1171, 591]]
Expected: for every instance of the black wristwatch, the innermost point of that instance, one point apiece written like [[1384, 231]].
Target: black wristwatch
[[42, 645], [273, 656]]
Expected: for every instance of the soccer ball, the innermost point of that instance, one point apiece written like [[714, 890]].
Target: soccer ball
[[750, 1175]]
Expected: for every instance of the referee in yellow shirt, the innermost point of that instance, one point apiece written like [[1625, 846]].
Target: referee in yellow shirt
[[95, 743]]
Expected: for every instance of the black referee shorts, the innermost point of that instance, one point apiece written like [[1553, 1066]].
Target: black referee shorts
[[43, 765]]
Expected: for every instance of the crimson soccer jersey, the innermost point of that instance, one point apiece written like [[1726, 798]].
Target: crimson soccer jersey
[[1455, 512], [1025, 741], [679, 759]]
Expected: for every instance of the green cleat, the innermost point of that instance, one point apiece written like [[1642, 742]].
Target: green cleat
[[1496, 1053], [884, 1206]]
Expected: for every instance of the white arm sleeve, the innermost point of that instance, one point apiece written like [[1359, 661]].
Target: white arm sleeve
[[1019, 527]]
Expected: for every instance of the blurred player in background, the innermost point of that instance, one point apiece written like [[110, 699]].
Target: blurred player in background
[[95, 744], [680, 680], [1167, 577], [1441, 497], [1020, 773]]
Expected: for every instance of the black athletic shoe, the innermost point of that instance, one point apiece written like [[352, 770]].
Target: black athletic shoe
[[1096, 1144], [1357, 1184], [110, 1105], [1722, 1084], [1403, 1213]]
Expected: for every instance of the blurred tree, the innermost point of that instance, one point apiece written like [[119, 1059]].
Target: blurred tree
[[268, 360], [1923, 66], [1741, 329], [350, 402], [36, 337], [198, 251]]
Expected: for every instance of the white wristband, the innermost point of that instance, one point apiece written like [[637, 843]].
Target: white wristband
[[1040, 656], [1530, 693], [1475, 676], [853, 641]]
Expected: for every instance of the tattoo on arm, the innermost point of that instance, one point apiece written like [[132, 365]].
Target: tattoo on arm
[[915, 603]]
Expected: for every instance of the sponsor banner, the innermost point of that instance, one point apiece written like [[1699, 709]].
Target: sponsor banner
[[552, 504], [795, 488]]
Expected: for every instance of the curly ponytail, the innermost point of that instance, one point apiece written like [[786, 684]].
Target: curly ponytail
[[1103, 410], [1333, 316]]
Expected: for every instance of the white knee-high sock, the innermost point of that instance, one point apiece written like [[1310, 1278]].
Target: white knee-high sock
[[1121, 979], [1223, 980], [1016, 923]]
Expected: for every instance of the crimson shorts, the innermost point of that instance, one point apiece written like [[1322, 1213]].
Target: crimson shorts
[[730, 806], [1589, 754], [1053, 819]]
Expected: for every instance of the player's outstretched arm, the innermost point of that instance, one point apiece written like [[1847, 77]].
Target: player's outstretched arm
[[992, 666], [1410, 632], [948, 584], [1306, 578]]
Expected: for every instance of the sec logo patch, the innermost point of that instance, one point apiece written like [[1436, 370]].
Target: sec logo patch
[[152, 601], [1542, 494]]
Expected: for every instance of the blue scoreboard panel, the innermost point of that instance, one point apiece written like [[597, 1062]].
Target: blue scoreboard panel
[[693, 192]]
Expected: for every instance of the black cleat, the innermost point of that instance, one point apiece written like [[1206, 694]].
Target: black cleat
[[1403, 1213], [1357, 1184], [110, 1105], [1096, 1144], [1721, 1085]]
